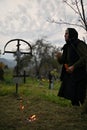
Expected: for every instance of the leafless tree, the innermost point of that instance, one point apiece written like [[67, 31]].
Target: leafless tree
[[78, 6]]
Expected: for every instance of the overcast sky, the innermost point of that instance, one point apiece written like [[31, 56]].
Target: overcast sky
[[28, 20]]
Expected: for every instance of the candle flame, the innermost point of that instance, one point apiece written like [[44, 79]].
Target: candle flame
[[32, 118]]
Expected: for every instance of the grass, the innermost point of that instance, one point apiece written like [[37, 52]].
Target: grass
[[34, 98]]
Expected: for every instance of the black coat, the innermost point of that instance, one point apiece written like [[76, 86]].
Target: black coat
[[73, 85]]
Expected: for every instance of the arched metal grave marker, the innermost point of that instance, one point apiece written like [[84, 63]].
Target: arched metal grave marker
[[18, 54]]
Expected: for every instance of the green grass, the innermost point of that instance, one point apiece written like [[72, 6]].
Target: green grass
[[52, 112]]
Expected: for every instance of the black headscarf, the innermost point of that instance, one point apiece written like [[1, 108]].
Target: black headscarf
[[73, 34], [72, 44]]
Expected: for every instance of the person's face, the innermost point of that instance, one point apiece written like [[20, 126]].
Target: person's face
[[66, 35]]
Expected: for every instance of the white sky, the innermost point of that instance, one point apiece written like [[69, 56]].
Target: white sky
[[27, 19]]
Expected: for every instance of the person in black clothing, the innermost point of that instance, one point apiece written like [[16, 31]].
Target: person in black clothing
[[73, 74], [50, 76], [1, 74]]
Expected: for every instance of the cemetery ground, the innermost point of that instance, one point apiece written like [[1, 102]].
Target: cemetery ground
[[35, 107]]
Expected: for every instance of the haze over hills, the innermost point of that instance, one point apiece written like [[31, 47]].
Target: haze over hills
[[9, 62]]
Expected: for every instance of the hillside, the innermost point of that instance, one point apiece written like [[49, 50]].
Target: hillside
[[9, 62]]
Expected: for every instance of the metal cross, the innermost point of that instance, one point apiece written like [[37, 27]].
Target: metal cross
[[18, 53]]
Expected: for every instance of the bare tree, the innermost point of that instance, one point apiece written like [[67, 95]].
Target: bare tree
[[78, 7]]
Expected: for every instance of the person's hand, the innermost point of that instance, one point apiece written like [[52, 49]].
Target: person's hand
[[70, 69]]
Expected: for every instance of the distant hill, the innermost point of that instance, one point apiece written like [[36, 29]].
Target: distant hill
[[9, 62]]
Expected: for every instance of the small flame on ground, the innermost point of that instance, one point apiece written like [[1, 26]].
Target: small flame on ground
[[22, 107], [32, 118]]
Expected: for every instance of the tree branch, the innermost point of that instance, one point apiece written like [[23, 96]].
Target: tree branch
[[83, 12], [57, 22], [78, 10], [70, 6]]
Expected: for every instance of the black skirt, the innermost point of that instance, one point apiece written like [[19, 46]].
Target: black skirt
[[72, 88]]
